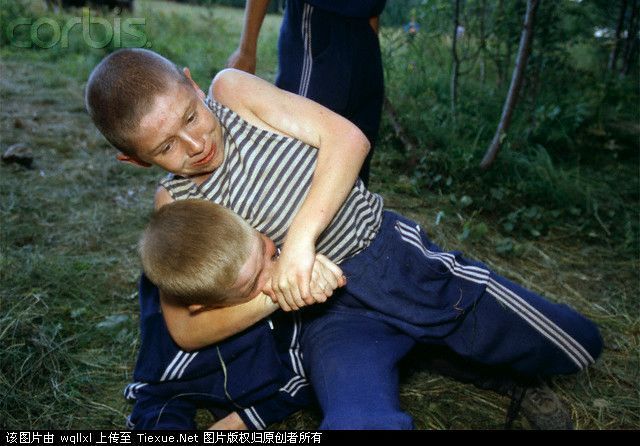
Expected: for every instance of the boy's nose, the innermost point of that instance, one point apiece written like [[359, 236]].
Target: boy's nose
[[193, 145], [193, 148]]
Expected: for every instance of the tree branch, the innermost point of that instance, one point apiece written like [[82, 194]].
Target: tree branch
[[516, 82]]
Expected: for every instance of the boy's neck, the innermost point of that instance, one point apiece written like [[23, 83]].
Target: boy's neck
[[199, 179]]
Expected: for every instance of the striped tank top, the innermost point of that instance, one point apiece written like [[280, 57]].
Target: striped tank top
[[265, 178]]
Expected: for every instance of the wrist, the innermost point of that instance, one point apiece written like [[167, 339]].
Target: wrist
[[267, 303], [248, 50], [301, 235]]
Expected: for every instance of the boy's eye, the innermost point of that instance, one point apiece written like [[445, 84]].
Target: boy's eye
[[166, 148]]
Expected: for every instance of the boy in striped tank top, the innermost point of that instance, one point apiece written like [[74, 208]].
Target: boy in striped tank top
[[289, 167]]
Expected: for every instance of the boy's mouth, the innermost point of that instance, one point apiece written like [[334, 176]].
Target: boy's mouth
[[209, 156]]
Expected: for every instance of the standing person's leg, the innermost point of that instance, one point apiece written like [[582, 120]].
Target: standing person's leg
[[351, 359], [366, 92], [290, 47], [313, 55], [334, 61]]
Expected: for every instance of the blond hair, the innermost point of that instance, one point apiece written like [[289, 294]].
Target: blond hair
[[193, 251]]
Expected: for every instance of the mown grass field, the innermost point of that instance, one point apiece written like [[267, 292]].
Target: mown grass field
[[68, 265]]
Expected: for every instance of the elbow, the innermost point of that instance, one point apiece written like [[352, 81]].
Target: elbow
[[185, 344], [189, 348], [188, 345], [366, 144], [186, 339], [361, 142], [349, 135], [189, 341]]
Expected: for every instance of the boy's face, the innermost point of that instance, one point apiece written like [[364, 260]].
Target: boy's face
[[179, 134], [255, 272]]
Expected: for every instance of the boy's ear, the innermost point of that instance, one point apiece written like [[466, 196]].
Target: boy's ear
[[195, 308], [187, 73], [132, 160]]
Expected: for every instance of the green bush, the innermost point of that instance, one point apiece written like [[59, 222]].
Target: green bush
[[555, 155]]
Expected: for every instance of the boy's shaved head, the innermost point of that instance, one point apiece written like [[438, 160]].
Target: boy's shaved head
[[122, 88]]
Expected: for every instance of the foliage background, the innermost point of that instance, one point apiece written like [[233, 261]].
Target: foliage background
[[558, 211]]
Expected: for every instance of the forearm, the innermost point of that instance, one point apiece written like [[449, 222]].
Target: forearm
[[254, 13], [340, 158], [192, 331]]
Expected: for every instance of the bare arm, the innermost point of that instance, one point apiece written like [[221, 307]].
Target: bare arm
[[192, 331], [196, 330], [342, 148], [244, 57]]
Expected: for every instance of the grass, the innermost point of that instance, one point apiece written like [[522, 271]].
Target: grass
[[68, 267]]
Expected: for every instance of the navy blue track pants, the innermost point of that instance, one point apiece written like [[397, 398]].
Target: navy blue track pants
[[335, 61], [404, 290]]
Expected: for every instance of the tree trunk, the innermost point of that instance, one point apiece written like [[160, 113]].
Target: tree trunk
[[483, 40], [631, 43], [455, 62], [516, 82], [507, 59], [613, 57]]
